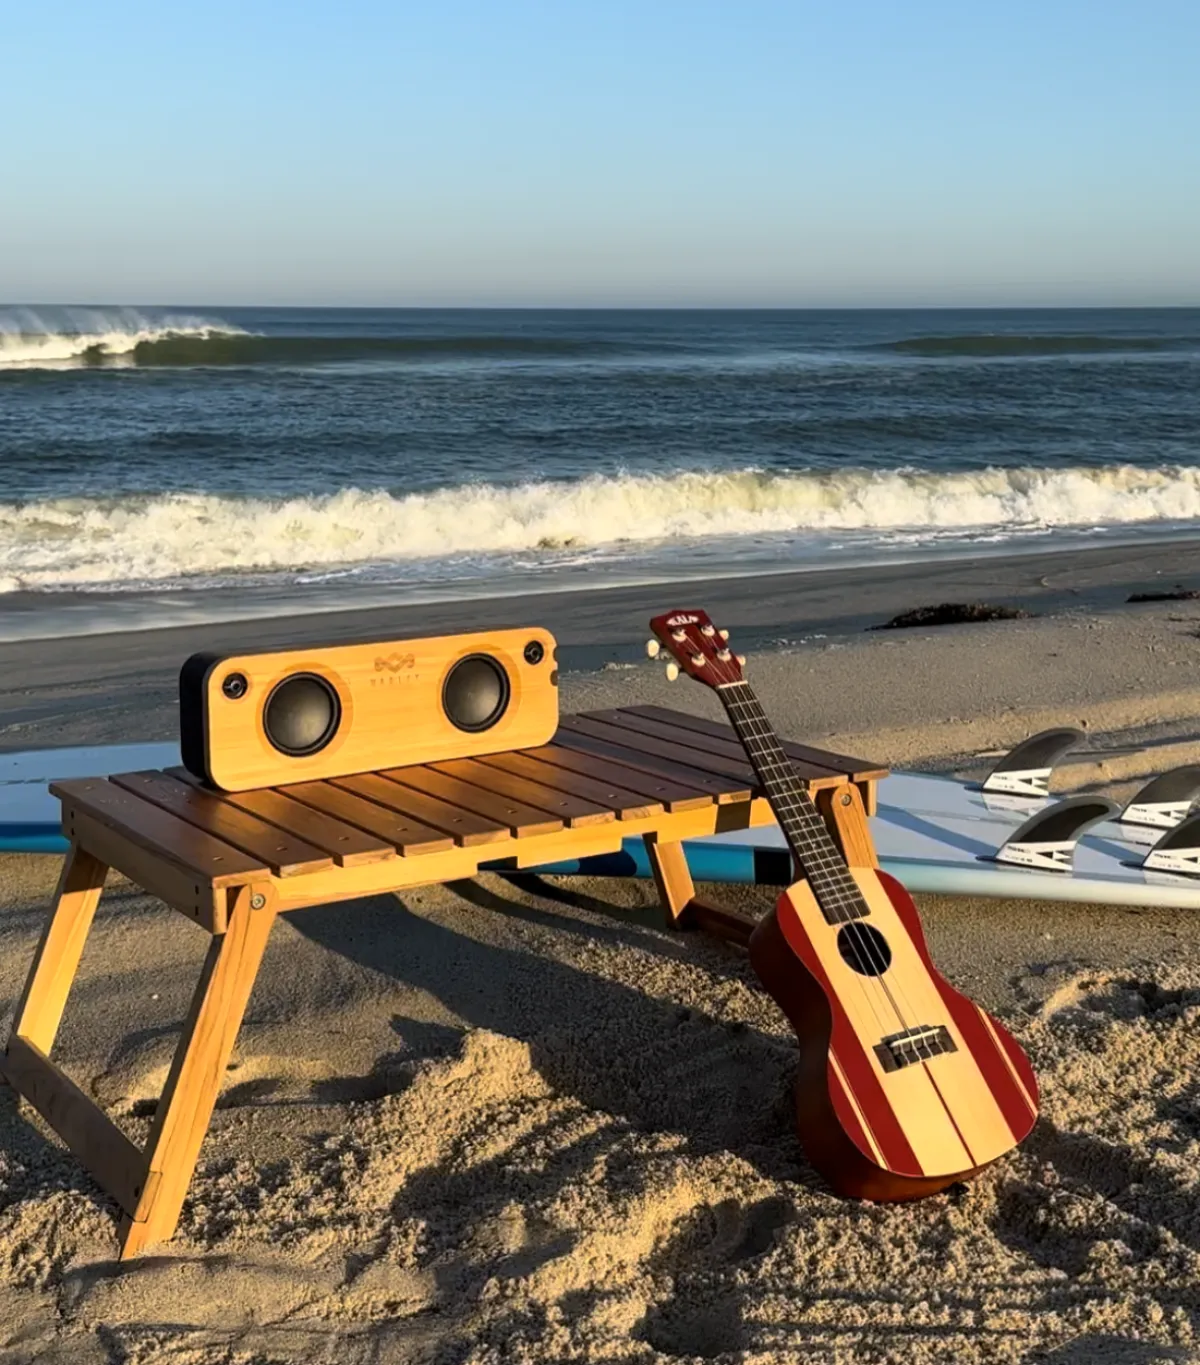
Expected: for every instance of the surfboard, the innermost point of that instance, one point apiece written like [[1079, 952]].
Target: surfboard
[[934, 834], [29, 815]]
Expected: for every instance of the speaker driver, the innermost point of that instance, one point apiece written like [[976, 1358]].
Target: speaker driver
[[476, 692], [302, 714]]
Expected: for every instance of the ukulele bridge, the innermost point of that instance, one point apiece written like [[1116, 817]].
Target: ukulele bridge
[[899, 1050]]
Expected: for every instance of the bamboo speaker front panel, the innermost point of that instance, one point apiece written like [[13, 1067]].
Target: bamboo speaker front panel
[[261, 720]]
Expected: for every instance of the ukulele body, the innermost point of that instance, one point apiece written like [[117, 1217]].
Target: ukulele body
[[888, 1120]]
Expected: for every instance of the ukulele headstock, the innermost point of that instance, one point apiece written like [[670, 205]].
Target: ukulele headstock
[[697, 647]]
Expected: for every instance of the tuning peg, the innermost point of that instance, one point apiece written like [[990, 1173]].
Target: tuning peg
[[652, 648], [724, 634], [741, 658], [672, 671], [709, 629], [699, 660], [724, 655]]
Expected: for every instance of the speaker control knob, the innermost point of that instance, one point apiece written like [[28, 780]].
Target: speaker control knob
[[234, 686]]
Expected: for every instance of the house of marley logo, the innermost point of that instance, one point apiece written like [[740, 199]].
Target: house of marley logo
[[394, 662]]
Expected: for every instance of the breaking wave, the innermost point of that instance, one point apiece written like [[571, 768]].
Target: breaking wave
[[86, 337], [198, 539], [99, 339]]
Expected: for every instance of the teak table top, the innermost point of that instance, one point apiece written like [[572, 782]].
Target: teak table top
[[605, 776]]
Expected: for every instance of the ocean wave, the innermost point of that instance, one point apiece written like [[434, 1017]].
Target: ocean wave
[[86, 337], [998, 345], [197, 538], [98, 339]]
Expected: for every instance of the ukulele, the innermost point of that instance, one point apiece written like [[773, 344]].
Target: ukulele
[[904, 1084]]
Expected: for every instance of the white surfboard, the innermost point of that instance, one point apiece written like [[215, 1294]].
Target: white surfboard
[[934, 834]]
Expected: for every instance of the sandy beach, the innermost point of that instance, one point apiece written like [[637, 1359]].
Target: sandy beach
[[493, 1123]]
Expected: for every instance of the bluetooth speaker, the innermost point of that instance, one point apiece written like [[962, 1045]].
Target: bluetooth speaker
[[262, 720]]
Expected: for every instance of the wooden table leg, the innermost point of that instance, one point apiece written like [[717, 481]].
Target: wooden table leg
[[676, 890], [40, 1008], [846, 816], [185, 1109], [686, 910]]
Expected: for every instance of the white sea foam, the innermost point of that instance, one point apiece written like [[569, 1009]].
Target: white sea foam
[[203, 538], [74, 337]]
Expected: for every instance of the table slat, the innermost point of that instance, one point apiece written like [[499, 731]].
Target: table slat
[[283, 853], [208, 859], [663, 759], [520, 819], [575, 811], [347, 845], [857, 769], [695, 742], [619, 801], [407, 836], [651, 783], [464, 826]]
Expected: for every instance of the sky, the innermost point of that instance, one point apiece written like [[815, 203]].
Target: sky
[[577, 153]]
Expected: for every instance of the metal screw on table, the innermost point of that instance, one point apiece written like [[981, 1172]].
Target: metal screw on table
[[257, 901], [846, 798]]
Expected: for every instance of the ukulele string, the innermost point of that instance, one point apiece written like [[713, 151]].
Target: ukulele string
[[860, 936], [863, 939], [857, 933]]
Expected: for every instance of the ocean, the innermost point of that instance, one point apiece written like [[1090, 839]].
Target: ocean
[[173, 457]]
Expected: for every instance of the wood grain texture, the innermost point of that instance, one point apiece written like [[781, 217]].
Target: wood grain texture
[[622, 802], [693, 746], [463, 826], [733, 769], [391, 702], [203, 855], [672, 877], [859, 769], [117, 1165], [518, 817], [179, 887], [347, 845], [405, 835], [56, 960], [843, 811], [652, 784], [568, 807], [286, 855], [604, 742], [185, 1108]]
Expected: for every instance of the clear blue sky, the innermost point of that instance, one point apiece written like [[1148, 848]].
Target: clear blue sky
[[664, 152]]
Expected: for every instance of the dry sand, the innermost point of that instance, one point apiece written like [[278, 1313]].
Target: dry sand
[[492, 1124]]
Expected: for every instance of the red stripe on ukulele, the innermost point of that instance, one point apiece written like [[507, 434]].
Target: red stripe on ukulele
[[855, 1064], [843, 1104], [993, 1065]]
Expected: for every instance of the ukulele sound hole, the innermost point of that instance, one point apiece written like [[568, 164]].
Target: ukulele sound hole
[[864, 949]]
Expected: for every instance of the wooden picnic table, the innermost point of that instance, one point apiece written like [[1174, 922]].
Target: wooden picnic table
[[232, 861]]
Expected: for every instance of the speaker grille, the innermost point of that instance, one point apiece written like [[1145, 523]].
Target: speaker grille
[[301, 715], [476, 693]]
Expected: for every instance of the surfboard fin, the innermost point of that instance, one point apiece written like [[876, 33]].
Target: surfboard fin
[[1025, 770], [1166, 799], [1047, 840], [1178, 850]]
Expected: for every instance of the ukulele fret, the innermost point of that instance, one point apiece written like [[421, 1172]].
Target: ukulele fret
[[815, 853]]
